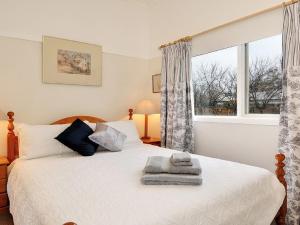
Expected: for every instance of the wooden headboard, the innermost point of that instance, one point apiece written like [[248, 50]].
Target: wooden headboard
[[12, 138], [71, 119]]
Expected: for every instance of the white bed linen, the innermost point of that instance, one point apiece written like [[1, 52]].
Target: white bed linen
[[105, 189]]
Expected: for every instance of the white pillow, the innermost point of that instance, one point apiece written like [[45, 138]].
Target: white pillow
[[39, 140], [108, 138], [128, 128], [91, 125]]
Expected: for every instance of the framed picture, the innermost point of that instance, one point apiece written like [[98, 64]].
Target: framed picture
[[156, 83], [71, 62]]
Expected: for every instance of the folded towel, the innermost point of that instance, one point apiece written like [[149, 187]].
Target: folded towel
[[181, 157], [181, 163], [171, 179], [160, 164]]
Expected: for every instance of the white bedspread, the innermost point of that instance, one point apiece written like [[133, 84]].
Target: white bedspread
[[105, 189]]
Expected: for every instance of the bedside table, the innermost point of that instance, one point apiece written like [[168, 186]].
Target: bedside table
[[3, 183], [151, 141]]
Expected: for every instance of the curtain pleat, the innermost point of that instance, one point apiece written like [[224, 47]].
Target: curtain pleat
[[176, 105]]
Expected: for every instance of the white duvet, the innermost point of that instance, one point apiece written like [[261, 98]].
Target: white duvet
[[105, 189]]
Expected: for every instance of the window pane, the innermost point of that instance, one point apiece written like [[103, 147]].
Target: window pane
[[214, 82], [265, 75]]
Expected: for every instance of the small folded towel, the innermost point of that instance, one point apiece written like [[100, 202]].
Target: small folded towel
[[181, 157], [160, 164], [171, 179], [181, 163]]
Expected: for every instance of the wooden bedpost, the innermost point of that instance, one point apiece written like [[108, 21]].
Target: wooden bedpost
[[11, 138], [280, 219], [130, 114]]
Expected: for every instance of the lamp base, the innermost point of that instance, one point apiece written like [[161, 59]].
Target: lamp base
[[146, 137]]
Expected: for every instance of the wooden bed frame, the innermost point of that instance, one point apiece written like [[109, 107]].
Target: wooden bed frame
[[13, 153]]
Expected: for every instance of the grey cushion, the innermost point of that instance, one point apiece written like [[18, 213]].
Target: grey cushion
[[108, 138]]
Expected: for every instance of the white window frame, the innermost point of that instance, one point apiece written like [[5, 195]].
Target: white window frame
[[242, 116]]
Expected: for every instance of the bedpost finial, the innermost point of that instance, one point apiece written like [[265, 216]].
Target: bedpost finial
[[130, 114], [10, 115], [10, 126], [280, 157]]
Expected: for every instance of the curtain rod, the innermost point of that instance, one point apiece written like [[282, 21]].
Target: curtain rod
[[274, 7]]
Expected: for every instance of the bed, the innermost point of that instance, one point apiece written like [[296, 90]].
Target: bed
[[106, 189]]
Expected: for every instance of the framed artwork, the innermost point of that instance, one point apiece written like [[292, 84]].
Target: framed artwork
[[156, 83], [71, 62]]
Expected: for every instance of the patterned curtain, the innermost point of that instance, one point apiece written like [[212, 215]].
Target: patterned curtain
[[176, 105], [289, 137]]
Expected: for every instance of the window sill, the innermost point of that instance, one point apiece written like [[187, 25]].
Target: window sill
[[268, 120]]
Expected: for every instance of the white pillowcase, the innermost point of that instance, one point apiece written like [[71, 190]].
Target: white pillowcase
[[108, 138], [39, 140], [128, 128]]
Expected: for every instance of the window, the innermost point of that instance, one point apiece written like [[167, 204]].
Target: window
[[264, 75], [214, 83], [239, 82]]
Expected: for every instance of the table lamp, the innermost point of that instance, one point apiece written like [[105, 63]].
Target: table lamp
[[146, 107]]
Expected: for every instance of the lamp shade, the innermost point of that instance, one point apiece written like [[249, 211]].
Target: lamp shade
[[146, 107]]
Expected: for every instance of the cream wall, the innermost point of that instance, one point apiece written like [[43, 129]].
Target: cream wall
[[154, 67], [123, 83], [120, 26], [126, 27], [251, 144]]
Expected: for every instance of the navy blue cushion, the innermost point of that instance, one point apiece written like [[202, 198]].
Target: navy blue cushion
[[76, 138]]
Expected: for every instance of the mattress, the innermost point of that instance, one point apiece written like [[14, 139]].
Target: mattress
[[106, 189]]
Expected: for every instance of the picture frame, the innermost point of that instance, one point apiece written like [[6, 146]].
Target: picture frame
[[156, 83], [71, 62]]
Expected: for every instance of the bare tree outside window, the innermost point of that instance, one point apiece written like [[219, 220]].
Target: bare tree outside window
[[214, 79], [215, 83], [265, 76]]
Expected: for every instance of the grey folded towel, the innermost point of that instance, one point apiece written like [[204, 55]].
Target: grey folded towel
[[181, 157], [160, 164], [181, 163], [171, 179]]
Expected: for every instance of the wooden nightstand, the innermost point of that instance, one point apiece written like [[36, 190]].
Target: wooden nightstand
[[3, 183], [151, 141]]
